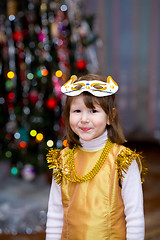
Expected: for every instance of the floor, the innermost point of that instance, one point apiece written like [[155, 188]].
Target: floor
[[151, 189], [152, 192]]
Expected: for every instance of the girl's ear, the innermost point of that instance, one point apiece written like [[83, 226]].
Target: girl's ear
[[108, 121]]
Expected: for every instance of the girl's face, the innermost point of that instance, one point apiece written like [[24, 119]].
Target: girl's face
[[85, 122]]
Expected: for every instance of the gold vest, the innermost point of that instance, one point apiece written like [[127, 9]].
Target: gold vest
[[94, 210]]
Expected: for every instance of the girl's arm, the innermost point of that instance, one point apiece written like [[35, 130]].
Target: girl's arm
[[55, 213], [133, 201]]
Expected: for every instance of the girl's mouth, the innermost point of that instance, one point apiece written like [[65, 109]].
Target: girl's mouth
[[85, 129]]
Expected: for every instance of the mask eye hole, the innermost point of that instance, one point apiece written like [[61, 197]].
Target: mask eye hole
[[98, 86], [78, 87]]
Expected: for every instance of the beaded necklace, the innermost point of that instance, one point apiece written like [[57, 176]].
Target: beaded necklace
[[69, 171]]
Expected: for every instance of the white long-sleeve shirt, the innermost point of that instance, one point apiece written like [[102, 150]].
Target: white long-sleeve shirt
[[133, 206]]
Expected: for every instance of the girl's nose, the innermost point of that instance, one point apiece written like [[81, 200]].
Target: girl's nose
[[84, 117]]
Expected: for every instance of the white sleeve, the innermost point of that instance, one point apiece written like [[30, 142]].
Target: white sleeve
[[55, 213], [132, 196]]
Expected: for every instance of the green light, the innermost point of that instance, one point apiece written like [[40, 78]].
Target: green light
[[30, 76], [8, 84], [8, 154], [14, 171], [39, 74]]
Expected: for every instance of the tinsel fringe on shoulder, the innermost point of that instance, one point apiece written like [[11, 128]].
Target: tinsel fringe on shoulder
[[124, 160], [54, 160]]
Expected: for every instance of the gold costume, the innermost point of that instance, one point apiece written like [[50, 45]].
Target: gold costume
[[94, 209]]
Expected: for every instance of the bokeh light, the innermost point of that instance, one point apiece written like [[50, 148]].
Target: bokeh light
[[11, 95], [44, 72], [58, 73], [14, 171], [39, 137], [17, 135], [8, 154], [30, 76], [23, 144], [10, 74], [50, 143], [33, 133]]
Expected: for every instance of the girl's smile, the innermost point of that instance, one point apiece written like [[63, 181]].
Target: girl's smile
[[85, 122], [85, 129]]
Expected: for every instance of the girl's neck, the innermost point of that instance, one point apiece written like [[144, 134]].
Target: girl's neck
[[95, 143]]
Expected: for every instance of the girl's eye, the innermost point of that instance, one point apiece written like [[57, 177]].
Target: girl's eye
[[77, 111], [93, 111]]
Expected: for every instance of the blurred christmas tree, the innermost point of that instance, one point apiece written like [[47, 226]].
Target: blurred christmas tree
[[41, 44]]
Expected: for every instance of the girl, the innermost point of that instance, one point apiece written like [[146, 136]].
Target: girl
[[96, 191]]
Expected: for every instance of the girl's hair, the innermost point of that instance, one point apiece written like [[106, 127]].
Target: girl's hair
[[107, 103]]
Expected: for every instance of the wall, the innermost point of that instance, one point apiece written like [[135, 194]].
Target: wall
[[129, 51]]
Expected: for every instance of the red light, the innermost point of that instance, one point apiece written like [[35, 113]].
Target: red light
[[44, 72], [81, 64], [51, 103], [11, 95], [23, 144]]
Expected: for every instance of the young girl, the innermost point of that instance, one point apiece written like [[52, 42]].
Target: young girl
[[96, 191]]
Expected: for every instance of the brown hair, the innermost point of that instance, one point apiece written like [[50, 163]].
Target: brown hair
[[107, 103]]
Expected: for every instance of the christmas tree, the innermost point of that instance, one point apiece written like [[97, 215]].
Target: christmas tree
[[42, 43]]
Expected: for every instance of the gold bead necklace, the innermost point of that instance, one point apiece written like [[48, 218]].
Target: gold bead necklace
[[69, 166]]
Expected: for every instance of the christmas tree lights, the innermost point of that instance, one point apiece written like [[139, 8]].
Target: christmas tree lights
[[42, 43]]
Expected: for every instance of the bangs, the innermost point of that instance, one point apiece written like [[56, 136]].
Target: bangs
[[106, 103], [90, 100]]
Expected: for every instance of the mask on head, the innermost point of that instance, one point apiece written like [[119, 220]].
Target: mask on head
[[95, 87]]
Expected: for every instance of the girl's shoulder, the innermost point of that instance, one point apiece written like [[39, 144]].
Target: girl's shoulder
[[125, 158]]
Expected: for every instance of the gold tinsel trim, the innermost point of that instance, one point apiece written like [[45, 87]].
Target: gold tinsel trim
[[124, 160], [54, 160]]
